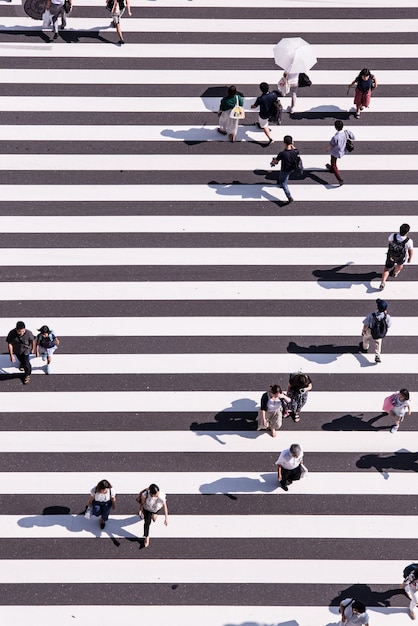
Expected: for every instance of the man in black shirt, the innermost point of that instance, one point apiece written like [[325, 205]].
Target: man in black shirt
[[266, 102], [20, 343], [289, 158]]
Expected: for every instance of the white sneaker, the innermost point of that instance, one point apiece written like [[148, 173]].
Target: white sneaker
[[394, 429]]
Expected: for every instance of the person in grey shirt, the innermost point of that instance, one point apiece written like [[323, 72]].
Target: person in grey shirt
[[337, 148], [20, 344]]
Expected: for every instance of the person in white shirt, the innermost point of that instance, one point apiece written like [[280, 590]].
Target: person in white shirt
[[102, 499], [400, 251], [289, 465], [353, 612], [151, 501]]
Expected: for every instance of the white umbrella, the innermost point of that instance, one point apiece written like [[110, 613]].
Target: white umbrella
[[294, 55]]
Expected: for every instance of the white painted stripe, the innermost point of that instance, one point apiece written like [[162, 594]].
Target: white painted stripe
[[210, 290], [203, 51], [329, 483], [38, 257], [23, 132], [217, 363], [191, 77], [212, 527], [207, 571], [178, 401], [167, 25], [193, 162], [200, 223], [169, 441], [242, 326], [205, 193], [186, 615]]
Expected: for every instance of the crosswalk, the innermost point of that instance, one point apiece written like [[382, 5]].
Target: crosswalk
[[181, 286]]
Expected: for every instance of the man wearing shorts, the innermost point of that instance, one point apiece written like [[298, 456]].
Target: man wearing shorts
[[266, 102], [117, 12], [400, 251]]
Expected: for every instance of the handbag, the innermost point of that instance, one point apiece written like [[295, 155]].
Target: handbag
[[283, 86], [303, 470], [349, 146], [46, 19], [237, 113], [388, 403]]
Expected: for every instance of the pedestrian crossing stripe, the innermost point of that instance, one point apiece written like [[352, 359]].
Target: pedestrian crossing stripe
[[211, 527], [219, 162], [186, 615], [200, 224], [37, 257], [206, 326], [179, 401], [167, 133], [208, 571], [204, 51], [191, 77], [227, 26], [366, 291], [256, 4], [213, 192], [220, 363], [378, 442]]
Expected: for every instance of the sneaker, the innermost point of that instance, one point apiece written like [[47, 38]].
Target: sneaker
[[48, 369], [382, 286], [44, 357], [328, 166], [377, 359], [55, 36], [289, 200], [394, 429], [284, 486], [121, 42], [341, 183], [362, 350]]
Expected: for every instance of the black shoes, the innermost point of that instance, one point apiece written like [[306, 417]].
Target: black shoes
[[362, 350]]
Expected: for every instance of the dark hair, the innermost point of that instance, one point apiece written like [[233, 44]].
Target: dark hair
[[103, 484], [20, 325], [358, 606], [44, 329], [232, 90], [404, 229], [275, 389], [287, 140], [382, 305], [264, 87], [154, 489], [404, 393], [299, 381], [339, 124], [365, 72]]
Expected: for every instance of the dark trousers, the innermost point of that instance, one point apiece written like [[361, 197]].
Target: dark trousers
[[289, 475], [102, 509], [25, 363], [147, 521]]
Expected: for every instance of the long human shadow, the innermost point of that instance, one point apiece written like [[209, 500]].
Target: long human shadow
[[61, 516], [324, 354], [307, 173], [240, 416], [368, 596], [322, 112], [402, 460], [245, 191], [267, 483], [344, 280], [355, 423]]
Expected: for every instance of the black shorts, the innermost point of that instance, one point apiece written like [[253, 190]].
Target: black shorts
[[390, 263]]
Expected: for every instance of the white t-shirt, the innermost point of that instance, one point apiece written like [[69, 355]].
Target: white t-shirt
[[399, 238], [288, 461], [154, 504], [353, 618], [273, 404], [102, 497]]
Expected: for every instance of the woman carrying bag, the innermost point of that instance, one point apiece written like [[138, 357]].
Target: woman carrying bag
[[230, 112], [151, 501]]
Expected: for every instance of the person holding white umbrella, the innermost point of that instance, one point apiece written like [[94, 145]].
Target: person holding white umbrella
[[295, 56]]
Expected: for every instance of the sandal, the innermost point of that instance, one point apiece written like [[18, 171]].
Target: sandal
[[357, 116]]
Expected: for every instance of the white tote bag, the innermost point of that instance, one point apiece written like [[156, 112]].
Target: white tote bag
[[46, 19]]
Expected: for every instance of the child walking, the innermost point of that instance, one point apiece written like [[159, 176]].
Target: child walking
[[400, 405], [46, 344]]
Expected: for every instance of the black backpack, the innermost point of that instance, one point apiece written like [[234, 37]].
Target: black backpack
[[397, 249], [304, 80], [379, 328]]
